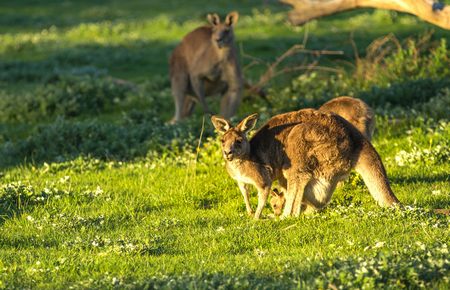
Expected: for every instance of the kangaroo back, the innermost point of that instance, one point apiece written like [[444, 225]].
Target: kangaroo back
[[355, 111], [369, 165]]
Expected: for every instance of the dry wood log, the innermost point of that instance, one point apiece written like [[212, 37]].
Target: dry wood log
[[442, 211], [428, 10]]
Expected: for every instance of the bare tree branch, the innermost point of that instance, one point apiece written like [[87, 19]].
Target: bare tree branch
[[272, 71], [428, 10]]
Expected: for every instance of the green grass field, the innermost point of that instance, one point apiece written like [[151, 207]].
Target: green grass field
[[98, 192]]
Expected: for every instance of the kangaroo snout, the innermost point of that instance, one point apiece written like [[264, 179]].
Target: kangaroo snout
[[228, 154], [220, 42]]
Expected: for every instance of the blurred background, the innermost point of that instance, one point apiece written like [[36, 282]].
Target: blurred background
[[74, 71]]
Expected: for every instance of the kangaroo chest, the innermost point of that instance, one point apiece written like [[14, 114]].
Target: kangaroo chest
[[214, 73], [239, 172], [249, 173]]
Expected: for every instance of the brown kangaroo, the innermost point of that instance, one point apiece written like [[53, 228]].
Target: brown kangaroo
[[356, 112], [307, 151], [206, 63]]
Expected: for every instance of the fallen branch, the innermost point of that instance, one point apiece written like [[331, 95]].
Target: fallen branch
[[442, 211], [428, 10]]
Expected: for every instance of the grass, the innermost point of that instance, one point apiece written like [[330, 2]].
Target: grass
[[97, 191]]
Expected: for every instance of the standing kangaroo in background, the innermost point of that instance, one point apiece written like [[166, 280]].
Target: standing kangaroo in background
[[206, 63], [308, 152]]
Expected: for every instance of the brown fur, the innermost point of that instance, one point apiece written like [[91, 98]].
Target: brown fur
[[206, 63], [355, 111], [308, 152]]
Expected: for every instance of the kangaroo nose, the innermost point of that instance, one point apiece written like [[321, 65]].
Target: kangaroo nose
[[220, 42], [228, 155]]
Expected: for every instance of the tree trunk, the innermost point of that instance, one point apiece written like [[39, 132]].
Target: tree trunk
[[305, 10]]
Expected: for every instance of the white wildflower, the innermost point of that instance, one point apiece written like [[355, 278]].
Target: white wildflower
[[98, 191], [436, 192], [115, 281], [421, 245], [260, 253], [64, 179], [379, 244], [444, 249]]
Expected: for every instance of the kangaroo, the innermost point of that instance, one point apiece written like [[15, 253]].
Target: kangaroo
[[206, 63], [307, 151], [356, 112]]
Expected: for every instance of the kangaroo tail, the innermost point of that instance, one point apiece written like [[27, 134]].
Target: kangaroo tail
[[371, 168]]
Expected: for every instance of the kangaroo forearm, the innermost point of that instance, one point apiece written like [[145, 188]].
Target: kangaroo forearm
[[262, 198]]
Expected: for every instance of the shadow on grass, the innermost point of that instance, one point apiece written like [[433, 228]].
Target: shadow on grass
[[139, 128], [16, 198], [319, 274], [65, 140], [433, 202], [31, 15], [148, 58], [407, 180]]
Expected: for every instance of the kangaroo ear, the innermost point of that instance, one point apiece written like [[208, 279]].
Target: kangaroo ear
[[274, 192], [232, 18], [214, 19], [220, 124], [248, 123]]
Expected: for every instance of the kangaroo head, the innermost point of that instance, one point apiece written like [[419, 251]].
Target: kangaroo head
[[277, 201], [234, 139], [222, 33]]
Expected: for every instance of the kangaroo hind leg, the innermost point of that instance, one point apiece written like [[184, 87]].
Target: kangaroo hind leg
[[319, 192], [188, 106], [371, 168], [199, 89], [179, 85], [294, 195]]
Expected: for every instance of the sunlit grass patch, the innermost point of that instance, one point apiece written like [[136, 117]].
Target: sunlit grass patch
[[98, 191]]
